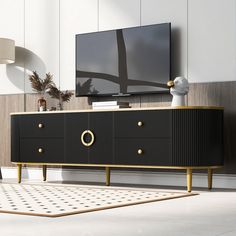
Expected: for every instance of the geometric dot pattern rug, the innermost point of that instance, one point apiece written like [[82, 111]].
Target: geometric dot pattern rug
[[62, 199]]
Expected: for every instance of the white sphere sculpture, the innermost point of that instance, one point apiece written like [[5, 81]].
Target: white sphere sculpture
[[178, 89]]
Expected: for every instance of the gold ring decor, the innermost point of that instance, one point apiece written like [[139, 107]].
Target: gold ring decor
[[92, 138]]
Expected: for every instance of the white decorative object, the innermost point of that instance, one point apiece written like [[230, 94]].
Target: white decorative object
[[7, 51], [178, 89]]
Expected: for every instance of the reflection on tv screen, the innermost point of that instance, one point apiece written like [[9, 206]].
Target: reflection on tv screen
[[123, 61]]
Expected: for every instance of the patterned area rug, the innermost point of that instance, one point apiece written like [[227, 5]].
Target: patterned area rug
[[60, 199]]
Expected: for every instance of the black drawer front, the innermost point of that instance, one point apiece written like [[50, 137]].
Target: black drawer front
[[154, 152], [143, 124], [51, 125], [52, 150]]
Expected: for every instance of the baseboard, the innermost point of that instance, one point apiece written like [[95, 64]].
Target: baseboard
[[122, 176]]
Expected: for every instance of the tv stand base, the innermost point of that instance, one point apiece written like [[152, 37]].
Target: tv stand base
[[189, 171]]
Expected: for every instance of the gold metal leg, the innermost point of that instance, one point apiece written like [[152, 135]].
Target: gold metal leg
[[210, 178], [19, 168], [44, 172], [108, 172], [189, 179]]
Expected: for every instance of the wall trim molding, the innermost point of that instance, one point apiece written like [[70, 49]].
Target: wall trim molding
[[122, 177]]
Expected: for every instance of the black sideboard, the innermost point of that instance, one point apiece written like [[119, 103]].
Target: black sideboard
[[169, 138]]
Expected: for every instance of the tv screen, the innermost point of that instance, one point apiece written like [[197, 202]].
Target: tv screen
[[123, 61]]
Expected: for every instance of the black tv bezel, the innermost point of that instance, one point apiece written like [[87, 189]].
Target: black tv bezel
[[124, 94]]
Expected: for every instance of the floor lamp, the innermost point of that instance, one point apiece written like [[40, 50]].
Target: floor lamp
[[7, 56]]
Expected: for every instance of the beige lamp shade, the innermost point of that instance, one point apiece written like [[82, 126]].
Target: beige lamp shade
[[7, 51]]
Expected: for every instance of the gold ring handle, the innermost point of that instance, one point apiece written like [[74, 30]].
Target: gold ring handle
[[92, 138]]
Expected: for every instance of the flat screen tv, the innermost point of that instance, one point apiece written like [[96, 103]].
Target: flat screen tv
[[124, 61]]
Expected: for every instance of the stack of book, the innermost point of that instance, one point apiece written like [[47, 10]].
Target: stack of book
[[109, 105]]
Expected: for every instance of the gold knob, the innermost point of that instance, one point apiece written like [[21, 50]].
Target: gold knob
[[140, 151], [140, 123], [87, 132], [40, 125], [170, 83], [40, 150]]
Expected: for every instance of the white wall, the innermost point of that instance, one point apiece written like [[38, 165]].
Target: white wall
[[115, 14], [212, 40], [159, 11], [76, 16], [12, 26], [204, 35], [41, 39]]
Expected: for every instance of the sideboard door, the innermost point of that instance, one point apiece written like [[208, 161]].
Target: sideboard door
[[75, 125], [197, 137], [101, 124], [15, 139]]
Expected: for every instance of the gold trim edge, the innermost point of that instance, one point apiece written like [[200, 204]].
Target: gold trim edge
[[123, 109], [120, 166]]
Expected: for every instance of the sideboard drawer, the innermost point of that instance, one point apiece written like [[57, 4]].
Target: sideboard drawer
[[143, 124], [143, 152], [42, 125], [42, 150]]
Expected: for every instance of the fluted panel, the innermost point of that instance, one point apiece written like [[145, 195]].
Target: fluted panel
[[197, 137]]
